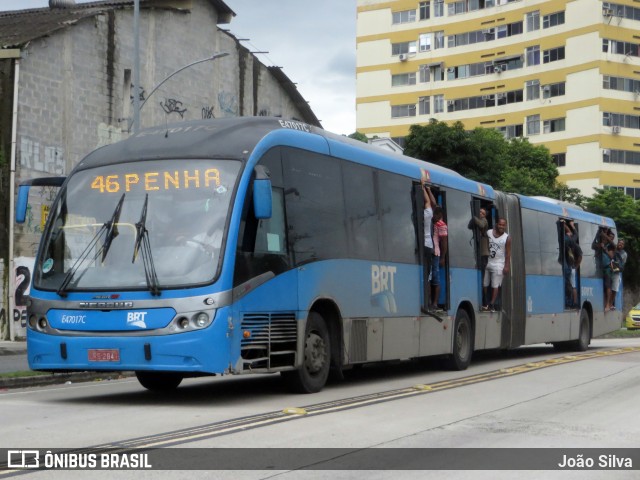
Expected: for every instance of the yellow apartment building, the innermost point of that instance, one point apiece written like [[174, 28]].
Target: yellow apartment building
[[562, 73]]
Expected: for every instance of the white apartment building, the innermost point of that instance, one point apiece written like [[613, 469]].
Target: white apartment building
[[563, 73]]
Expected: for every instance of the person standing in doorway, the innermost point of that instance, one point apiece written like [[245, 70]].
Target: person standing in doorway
[[429, 203], [440, 246], [619, 259], [499, 262]]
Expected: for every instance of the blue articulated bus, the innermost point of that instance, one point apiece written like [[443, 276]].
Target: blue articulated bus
[[260, 245]]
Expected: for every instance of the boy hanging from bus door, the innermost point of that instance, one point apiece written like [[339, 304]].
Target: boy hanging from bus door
[[429, 203]]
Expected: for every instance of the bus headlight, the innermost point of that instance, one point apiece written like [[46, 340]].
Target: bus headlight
[[201, 320], [42, 324]]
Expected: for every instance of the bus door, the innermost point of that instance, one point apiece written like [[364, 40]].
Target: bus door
[[513, 292], [418, 208]]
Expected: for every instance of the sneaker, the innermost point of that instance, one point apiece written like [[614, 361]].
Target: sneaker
[[492, 308], [484, 308]]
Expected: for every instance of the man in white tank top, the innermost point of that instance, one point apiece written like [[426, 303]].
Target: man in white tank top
[[499, 261]]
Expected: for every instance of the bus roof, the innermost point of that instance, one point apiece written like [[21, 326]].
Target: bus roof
[[237, 137]]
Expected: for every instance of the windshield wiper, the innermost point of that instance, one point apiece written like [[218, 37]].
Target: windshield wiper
[[142, 240], [112, 231], [112, 228]]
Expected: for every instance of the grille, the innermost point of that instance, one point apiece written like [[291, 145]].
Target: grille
[[272, 343], [358, 342]]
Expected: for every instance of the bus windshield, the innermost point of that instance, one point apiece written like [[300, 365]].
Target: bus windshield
[[140, 225]]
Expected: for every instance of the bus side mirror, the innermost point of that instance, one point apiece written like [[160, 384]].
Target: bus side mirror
[[23, 193], [262, 200], [21, 204]]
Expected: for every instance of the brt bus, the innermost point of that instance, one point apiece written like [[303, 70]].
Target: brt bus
[[259, 245]]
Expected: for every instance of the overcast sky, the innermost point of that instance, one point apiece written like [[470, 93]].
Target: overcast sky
[[312, 40]]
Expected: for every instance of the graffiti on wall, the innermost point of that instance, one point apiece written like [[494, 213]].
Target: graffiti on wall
[[23, 266], [207, 112], [42, 158], [228, 103], [141, 93], [171, 105]]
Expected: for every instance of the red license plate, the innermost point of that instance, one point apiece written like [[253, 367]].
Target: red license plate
[[104, 355]]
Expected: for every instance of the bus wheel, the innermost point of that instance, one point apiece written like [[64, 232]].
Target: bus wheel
[[313, 373], [462, 343], [159, 381], [584, 338]]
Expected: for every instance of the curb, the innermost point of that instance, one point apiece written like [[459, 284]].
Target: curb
[[60, 378]]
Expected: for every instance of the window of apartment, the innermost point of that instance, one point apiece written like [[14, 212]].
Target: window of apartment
[[425, 41], [533, 55], [437, 72], [611, 119], [622, 48], [461, 71], [621, 84], [424, 105], [532, 87], [438, 103], [403, 79], [553, 19], [553, 55], [560, 159], [400, 141], [425, 10], [631, 191], [553, 90], [438, 8], [622, 11], [439, 39], [457, 8], [533, 21], [503, 31], [513, 96], [511, 131], [403, 47], [406, 16], [533, 125], [408, 110], [423, 72], [554, 125], [621, 156]]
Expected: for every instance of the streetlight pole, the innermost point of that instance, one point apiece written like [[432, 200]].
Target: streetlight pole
[[212, 57], [136, 66]]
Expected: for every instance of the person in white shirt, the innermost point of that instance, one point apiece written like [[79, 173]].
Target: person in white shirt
[[499, 261], [429, 203]]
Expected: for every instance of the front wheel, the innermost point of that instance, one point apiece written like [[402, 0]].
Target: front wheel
[[462, 343], [312, 375], [159, 381]]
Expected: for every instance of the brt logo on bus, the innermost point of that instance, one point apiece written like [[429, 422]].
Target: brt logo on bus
[[383, 287]]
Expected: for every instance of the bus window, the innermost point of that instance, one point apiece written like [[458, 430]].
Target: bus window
[[361, 212], [315, 209], [396, 210]]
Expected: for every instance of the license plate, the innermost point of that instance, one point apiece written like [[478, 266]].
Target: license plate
[[104, 355]]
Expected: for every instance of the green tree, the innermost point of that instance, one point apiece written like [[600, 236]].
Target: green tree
[[359, 136], [530, 169], [625, 211]]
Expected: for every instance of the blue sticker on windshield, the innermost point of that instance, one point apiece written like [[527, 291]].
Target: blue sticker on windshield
[[47, 265]]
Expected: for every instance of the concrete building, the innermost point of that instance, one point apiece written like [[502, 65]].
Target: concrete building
[[66, 88], [562, 73]]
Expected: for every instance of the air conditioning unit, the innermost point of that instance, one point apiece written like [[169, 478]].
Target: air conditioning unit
[[451, 102], [606, 151], [546, 89], [615, 129], [403, 57], [498, 68], [488, 31], [607, 12], [487, 97], [451, 70], [500, 95]]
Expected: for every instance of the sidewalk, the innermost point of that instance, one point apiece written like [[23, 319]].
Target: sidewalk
[[13, 348]]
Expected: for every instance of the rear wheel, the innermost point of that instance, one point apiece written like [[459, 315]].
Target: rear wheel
[[159, 381], [584, 338], [312, 374], [462, 343]]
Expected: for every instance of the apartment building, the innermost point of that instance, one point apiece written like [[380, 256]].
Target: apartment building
[[562, 73]]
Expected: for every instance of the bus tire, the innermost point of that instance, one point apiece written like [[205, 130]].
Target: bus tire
[[584, 335], [159, 381], [462, 343], [312, 375]]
